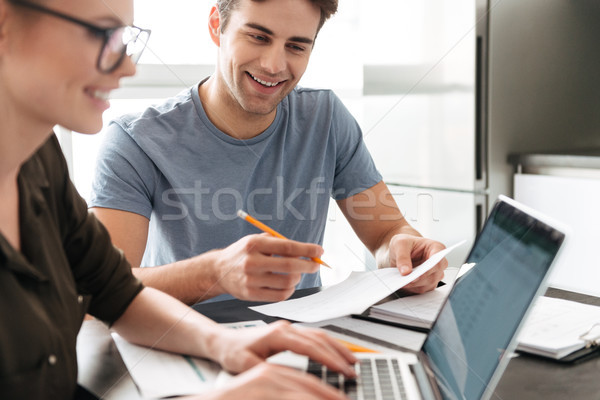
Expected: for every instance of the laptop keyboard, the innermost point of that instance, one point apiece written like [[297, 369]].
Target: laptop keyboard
[[378, 379]]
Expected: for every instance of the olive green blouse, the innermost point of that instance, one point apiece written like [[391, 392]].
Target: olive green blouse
[[67, 266]]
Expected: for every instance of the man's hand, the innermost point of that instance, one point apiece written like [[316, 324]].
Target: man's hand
[[239, 350], [408, 251], [263, 268]]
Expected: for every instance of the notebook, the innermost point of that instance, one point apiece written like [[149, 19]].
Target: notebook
[[564, 330], [417, 311], [469, 344]]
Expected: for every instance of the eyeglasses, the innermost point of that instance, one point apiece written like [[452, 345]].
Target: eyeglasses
[[118, 42]]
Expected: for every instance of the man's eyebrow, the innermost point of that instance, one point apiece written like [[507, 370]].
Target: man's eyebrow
[[299, 39]]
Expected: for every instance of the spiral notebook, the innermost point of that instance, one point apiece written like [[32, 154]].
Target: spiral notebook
[[560, 329]]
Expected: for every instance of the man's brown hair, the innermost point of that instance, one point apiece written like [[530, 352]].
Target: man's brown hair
[[327, 7]]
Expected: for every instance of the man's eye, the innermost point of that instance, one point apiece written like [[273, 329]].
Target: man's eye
[[296, 48]]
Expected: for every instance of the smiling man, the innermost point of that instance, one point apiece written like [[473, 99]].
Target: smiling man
[[170, 180]]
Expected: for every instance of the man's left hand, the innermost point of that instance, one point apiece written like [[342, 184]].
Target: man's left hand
[[407, 251]]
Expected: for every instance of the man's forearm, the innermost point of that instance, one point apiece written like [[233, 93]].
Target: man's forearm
[[191, 280]]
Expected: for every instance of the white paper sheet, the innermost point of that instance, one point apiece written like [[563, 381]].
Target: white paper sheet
[[160, 374], [352, 296], [99, 371], [421, 309], [243, 324], [554, 327]]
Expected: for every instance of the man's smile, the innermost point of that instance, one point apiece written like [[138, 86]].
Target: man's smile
[[264, 83]]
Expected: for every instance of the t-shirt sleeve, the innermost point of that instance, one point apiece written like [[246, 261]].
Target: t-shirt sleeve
[[99, 269], [125, 177], [355, 169]]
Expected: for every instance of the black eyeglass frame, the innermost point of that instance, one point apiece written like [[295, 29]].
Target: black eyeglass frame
[[105, 33]]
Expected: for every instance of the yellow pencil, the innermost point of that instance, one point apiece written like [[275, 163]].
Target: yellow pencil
[[355, 348], [267, 229]]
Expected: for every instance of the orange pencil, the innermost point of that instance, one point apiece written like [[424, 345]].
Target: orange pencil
[[355, 348], [272, 232]]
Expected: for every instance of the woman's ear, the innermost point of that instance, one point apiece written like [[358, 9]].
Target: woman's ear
[[214, 25]]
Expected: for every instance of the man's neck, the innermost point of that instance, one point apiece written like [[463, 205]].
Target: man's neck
[[228, 116]]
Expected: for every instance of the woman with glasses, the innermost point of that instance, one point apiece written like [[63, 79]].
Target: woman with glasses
[[59, 61]]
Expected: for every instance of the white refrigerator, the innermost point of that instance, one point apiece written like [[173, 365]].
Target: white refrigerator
[[423, 112]]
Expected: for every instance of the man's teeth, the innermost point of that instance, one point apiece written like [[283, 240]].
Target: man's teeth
[[100, 94], [265, 83]]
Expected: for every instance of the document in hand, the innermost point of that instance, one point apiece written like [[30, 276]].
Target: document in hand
[[561, 329], [352, 296]]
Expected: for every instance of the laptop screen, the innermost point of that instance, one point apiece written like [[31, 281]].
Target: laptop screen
[[512, 255]]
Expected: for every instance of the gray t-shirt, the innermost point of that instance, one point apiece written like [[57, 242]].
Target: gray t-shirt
[[173, 166]]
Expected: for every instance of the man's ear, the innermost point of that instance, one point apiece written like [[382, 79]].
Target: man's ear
[[214, 25]]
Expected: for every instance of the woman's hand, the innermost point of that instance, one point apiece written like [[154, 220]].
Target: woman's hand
[[238, 350], [274, 382]]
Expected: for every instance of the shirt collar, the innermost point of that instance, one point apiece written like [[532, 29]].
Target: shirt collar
[[32, 183]]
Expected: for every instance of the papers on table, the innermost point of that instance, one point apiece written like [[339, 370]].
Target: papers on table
[[243, 324], [99, 371], [382, 338], [557, 327], [160, 374], [417, 310], [352, 296]]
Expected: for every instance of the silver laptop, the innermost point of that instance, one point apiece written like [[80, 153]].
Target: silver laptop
[[468, 347]]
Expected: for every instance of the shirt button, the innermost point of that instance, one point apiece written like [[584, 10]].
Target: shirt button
[[52, 359], [80, 299]]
